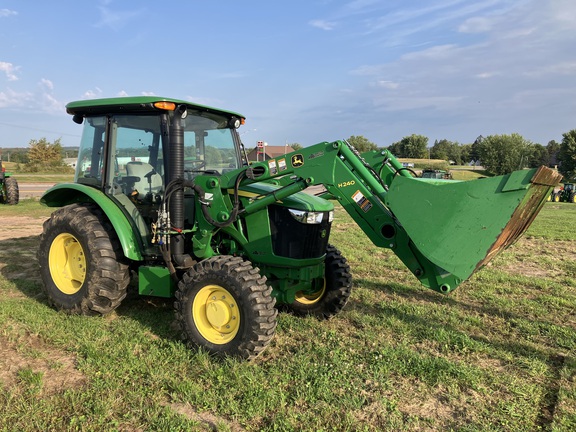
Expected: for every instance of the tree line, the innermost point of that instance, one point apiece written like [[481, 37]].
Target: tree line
[[498, 154]]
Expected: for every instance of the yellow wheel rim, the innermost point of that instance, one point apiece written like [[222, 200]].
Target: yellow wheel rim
[[309, 299], [67, 263], [216, 314]]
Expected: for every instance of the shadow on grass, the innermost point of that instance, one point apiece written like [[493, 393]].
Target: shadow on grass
[[19, 265], [427, 328]]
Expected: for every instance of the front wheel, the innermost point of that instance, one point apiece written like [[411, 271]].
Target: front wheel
[[333, 291], [81, 261], [224, 305]]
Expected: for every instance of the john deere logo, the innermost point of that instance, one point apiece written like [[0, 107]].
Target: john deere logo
[[297, 160]]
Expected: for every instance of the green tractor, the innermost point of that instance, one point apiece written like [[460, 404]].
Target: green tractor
[[567, 193], [9, 192], [163, 190], [436, 174]]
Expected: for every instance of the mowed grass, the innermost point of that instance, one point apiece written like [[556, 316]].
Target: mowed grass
[[497, 354]]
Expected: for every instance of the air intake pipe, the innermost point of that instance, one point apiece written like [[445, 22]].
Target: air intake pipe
[[176, 170]]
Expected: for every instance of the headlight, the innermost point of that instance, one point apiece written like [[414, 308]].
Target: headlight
[[307, 217]]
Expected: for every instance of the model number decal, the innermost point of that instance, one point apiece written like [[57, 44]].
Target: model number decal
[[347, 183]]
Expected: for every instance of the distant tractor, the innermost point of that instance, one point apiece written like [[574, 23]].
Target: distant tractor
[[554, 196], [436, 174], [567, 193], [9, 193]]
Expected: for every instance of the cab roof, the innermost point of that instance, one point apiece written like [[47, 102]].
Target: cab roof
[[134, 104]]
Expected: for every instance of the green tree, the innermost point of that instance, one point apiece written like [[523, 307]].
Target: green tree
[[413, 146], [539, 156], [474, 149], [466, 153], [553, 148], [567, 155], [296, 146], [44, 156], [362, 144], [395, 149], [446, 150], [502, 154]]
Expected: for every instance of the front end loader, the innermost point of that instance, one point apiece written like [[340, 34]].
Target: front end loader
[[163, 190]]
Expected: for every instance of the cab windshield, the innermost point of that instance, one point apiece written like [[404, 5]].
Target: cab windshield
[[208, 145]]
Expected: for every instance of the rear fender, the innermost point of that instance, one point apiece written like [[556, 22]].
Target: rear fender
[[70, 193]]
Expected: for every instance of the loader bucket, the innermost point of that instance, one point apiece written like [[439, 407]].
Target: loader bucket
[[461, 226]]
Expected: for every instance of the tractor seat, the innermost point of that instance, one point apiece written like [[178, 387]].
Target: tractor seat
[[148, 180]]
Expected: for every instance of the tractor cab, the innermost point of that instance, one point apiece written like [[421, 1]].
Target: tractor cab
[[127, 152]]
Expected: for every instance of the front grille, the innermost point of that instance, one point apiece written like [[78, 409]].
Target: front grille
[[293, 239]]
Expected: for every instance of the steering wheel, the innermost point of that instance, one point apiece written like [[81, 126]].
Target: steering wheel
[[196, 165]]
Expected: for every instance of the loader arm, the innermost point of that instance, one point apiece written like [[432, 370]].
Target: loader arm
[[422, 222]]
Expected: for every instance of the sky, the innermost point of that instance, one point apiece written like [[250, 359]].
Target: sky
[[300, 71]]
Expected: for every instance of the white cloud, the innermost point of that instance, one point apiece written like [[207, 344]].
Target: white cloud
[[145, 93], [322, 24], [488, 78], [12, 99], [560, 68], [485, 75], [50, 104], [114, 19], [385, 84], [40, 101], [7, 13], [476, 25], [438, 52], [92, 94], [122, 93], [47, 84], [10, 70]]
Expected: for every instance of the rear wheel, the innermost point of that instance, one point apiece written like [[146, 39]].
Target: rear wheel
[[573, 197], [332, 294], [224, 305], [81, 261], [557, 197], [10, 194]]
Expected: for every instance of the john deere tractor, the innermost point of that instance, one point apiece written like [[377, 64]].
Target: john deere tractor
[[567, 193], [9, 193], [163, 191]]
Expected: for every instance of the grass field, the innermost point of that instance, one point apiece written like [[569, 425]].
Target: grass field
[[498, 354]]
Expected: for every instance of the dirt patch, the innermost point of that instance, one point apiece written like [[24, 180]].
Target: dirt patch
[[210, 420], [540, 258], [19, 236], [20, 226], [30, 364]]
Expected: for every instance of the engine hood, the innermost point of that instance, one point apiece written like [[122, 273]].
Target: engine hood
[[298, 201]]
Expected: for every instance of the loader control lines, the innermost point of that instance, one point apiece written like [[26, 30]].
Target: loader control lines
[[163, 189]]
